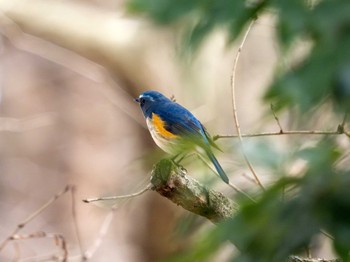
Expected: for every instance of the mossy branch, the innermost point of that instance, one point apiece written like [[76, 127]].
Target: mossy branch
[[172, 182], [300, 259]]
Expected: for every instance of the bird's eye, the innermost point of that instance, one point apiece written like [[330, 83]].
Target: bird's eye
[[142, 101]]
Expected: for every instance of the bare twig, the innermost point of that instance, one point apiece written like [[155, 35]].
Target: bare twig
[[58, 239], [344, 119], [308, 252], [75, 220], [107, 222], [103, 231], [17, 251], [341, 127], [291, 132], [233, 76], [276, 118], [325, 233], [250, 179], [145, 189], [33, 215], [341, 130]]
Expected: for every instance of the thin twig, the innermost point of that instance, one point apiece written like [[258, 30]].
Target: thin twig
[[308, 252], [233, 76], [276, 118], [103, 231], [291, 132], [41, 258], [327, 234], [32, 216], [107, 222], [59, 240], [344, 119], [341, 127], [250, 179], [145, 189], [17, 251], [75, 220]]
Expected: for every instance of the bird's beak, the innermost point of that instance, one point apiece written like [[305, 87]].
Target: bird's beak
[[137, 100]]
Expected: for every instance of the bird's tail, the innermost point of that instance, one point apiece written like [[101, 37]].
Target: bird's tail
[[217, 166]]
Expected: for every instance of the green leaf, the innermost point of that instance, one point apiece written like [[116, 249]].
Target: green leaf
[[206, 14], [163, 11], [322, 75], [293, 18], [264, 154]]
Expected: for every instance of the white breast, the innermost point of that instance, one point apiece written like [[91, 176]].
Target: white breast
[[168, 145]]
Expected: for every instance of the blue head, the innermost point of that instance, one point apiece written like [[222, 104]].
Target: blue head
[[149, 99]]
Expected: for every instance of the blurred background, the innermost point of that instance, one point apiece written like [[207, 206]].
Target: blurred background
[[69, 71]]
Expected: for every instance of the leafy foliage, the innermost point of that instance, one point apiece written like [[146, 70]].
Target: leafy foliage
[[201, 17], [274, 227], [324, 73]]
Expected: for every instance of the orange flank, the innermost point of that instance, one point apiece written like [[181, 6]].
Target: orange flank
[[158, 124]]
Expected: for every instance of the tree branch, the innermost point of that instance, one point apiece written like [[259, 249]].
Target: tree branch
[[278, 133], [172, 182], [302, 259]]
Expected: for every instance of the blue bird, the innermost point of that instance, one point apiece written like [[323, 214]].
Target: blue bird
[[175, 129]]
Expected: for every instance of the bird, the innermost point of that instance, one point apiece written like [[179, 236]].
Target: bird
[[175, 129]]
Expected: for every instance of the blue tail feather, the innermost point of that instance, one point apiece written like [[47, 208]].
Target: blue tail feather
[[217, 166]]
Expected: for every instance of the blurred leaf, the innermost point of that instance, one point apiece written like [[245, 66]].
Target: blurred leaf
[[164, 11], [202, 16], [206, 246], [188, 224], [321, 74], [293, 17], [272, 229], [322, 156], [195, 36], [264, 154], [326, 25], [341, 91]]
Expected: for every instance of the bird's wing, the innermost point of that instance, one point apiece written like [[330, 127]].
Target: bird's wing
[[179, 121], [210, 140]]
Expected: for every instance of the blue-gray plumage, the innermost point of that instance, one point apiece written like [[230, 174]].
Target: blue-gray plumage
[[170, 122]]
